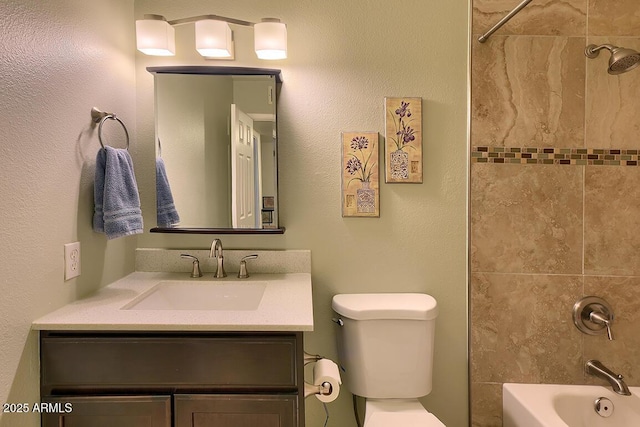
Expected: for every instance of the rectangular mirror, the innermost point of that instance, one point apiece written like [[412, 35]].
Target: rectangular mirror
[[216, 149]]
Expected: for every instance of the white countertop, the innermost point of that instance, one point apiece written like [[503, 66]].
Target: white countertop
[[285, 306]]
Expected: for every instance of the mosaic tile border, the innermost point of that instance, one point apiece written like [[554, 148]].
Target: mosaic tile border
[[555, 156]]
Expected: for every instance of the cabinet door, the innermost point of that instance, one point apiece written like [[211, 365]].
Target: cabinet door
[[107, 411], [230, 410]]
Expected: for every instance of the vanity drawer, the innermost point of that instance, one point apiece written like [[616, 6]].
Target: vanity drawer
[[233, 362]]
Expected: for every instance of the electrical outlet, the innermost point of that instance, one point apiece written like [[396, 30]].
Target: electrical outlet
[[71, 260]]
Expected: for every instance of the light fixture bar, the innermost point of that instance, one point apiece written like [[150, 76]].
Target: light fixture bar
[[193, 19]]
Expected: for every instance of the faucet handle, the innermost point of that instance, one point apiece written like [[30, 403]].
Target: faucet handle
[[592, 315], [603, 319], [243, 274], [195, 270]]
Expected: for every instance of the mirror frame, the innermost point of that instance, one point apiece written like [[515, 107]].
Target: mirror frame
[[224, 71]]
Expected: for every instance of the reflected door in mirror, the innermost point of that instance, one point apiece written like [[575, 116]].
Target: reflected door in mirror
[[243, 169]]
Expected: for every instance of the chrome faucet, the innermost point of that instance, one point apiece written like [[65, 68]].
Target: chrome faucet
[[597, 369], [216, 251]]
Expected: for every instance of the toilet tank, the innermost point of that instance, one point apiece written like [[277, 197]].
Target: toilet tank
[[385, 343]]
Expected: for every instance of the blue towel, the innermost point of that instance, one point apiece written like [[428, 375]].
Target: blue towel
[[116, 201], [167, 213]]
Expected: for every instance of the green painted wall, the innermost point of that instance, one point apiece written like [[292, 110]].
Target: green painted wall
[[344, 58]]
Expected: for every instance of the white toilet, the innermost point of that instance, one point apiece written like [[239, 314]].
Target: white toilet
[[385, 350]]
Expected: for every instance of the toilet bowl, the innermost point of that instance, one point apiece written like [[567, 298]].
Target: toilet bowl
[[385, 350]]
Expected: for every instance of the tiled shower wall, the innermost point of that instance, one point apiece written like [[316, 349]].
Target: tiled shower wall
[[555, 195]]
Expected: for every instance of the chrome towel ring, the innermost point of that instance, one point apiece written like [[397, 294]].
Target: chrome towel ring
[[98, 116]]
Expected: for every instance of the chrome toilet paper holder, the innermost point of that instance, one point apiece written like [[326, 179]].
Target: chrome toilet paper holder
[[323, 389]]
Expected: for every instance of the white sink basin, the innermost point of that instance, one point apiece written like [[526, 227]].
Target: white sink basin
[[200, 295], [551, 405]]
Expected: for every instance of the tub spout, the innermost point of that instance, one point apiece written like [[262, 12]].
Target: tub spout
[[597, 369]]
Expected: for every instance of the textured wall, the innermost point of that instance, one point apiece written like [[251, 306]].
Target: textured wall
[[344, 58], [57, 60], [554, 197]]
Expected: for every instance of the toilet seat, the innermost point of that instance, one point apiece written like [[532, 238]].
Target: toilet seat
[[398, 413]]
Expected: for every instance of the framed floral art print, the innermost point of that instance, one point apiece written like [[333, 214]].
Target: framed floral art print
[[360, 174], [403, 140]]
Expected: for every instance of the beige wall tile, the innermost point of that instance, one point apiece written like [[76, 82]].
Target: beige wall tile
[[526, 218], [522, 329], [614, 18], [543, 92], [528, 91], [622, 355], [487, 405], [612, 218], [542, 17], [612, 102]]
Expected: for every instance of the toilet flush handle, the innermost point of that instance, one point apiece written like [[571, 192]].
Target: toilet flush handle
[[338, 321]]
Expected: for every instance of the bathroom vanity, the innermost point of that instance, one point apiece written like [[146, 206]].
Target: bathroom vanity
[[104, 362], [198, 379]]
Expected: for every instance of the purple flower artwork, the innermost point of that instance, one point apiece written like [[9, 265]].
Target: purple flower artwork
[[360, 164], [403, 135], [360, 177]]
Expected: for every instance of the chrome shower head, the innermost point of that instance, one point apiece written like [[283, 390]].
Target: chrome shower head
[[621, 61]]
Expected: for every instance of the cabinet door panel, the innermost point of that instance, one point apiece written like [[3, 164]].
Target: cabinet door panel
[[236, 410], [109, 411]]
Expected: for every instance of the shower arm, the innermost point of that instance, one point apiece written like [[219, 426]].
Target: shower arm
[[592, 50], [483, 38]]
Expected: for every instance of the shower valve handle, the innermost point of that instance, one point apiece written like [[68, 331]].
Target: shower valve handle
[[601, 318]]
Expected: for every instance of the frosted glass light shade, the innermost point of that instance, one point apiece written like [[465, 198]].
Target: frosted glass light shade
[[155, 37], [270, 38], [214, 39]]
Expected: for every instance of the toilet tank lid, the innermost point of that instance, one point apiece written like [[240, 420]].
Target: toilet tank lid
[[410, 306]]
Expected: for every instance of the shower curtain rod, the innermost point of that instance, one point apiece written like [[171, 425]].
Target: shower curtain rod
[[483, 38]]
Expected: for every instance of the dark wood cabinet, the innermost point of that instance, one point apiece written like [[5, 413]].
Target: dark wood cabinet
[[197, 410], [107, 411], [221, 379]]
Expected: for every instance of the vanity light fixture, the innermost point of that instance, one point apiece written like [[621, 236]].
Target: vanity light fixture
[[214, 38]]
